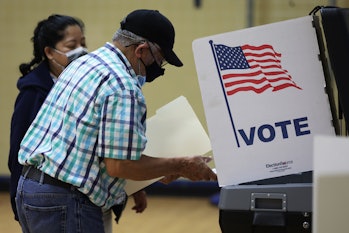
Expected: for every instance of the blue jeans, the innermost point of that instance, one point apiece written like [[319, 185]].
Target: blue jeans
[[48, 208]]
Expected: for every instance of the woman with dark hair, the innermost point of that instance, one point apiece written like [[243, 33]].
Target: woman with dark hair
[[57, 41]]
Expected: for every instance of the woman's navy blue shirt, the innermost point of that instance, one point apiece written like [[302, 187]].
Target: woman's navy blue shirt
[[33, 89]]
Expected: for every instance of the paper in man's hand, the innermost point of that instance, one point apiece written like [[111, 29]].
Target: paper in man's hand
[[173, 131]]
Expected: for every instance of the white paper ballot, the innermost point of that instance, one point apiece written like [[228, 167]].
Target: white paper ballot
[[173, 131], [331, 190]]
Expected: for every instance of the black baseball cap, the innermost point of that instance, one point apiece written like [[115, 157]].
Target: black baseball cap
[[155, 27]]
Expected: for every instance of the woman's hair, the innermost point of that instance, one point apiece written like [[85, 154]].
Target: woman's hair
[[47, 33]]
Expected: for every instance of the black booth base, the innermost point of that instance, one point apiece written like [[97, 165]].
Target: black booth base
[[253, 222]]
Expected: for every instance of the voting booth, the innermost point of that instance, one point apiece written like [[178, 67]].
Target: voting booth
[[267, 91]]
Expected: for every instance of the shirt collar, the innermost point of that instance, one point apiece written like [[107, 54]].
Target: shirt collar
[[122, 57]]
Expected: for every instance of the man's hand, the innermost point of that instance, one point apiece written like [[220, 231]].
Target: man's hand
[[169, 179], [195, 168], [140, 199]]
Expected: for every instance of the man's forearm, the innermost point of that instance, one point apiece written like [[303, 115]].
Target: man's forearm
[[145, 168]]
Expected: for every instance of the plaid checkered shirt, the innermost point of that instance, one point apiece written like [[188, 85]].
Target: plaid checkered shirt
[[96, 110]]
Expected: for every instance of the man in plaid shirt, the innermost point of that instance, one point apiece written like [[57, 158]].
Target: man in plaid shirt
[[90, 132]]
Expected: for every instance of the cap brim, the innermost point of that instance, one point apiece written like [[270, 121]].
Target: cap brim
[[172, 58]]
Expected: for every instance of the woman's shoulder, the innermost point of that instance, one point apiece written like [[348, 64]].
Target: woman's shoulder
[[39, 77]]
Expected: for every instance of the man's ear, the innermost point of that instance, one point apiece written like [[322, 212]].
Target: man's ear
[[140, 48]]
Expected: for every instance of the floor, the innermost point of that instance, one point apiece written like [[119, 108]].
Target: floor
[[165, 214]]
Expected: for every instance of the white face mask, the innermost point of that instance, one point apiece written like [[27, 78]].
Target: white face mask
[[74, 54]]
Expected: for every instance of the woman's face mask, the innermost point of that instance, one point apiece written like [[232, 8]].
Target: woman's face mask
[[74, 54], [71, 56]]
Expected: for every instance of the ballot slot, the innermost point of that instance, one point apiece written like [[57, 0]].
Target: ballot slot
[[268, 202]]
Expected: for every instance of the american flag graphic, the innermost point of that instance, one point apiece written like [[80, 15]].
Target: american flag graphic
[[251, 68]]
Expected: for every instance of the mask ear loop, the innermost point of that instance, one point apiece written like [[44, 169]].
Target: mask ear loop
[[139, 65], [141, 78], [54, 61], [59, 65], [60, 52], [163, 62]]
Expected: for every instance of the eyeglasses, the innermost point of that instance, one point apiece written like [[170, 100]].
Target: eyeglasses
[[163, 61]]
